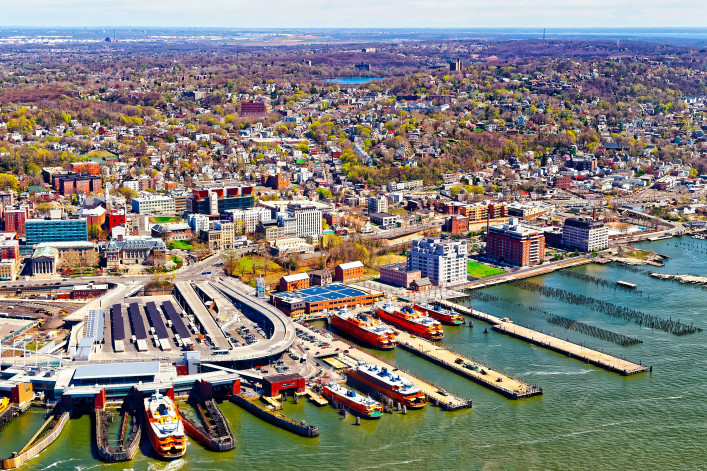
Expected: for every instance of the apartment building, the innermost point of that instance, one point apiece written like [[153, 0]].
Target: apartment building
[[444, 263], [154, 205], [515, 244], [585, 234]]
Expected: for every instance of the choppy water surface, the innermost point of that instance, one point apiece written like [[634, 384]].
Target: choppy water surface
[[587, 419]]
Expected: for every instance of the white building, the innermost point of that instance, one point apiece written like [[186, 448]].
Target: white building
[[198, 222], [309, 220], [585, 234], [377, 204], [444, 263], [154, 205], [250, 217]]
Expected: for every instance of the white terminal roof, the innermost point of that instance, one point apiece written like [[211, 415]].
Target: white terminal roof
[[117, 370]]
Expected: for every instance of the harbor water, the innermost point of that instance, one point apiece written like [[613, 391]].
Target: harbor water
[[587, 418]]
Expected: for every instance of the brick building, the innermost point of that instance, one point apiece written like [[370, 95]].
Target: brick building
[[116, 217], [563, 182], [456, 224], [82, 183], [397, 274], [293, 282], [346, 272], [515, 244], [276, 181], [15, 220], [253, 108], [90, 168]]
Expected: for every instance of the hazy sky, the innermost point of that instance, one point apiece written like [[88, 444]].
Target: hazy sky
[[356, 13]]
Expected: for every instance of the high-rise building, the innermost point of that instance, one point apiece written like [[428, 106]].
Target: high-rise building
[[455, 65], [515, 244], [216, 198], [55, 230], [377, 204], [309, 219], [15, 220], [585, 234], [444, 263]]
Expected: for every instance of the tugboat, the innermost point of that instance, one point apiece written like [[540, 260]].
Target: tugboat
[[165, 427], [357, 404]]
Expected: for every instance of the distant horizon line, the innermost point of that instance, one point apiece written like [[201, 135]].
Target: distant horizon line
[[384, 28]]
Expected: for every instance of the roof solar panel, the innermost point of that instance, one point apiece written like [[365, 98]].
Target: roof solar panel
[[155, 318], [177, 322], [136, 321], [117, 322]]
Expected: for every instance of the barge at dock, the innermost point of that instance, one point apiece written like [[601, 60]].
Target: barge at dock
[[364, 328], [411, 321], [164, 426], [381, 380], [443, 315], [357, 404]]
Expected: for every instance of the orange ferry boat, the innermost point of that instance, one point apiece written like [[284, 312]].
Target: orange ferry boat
[[164, 426], [412, 321], [389, 384], [364, 328], [442, 315], [356, 403]]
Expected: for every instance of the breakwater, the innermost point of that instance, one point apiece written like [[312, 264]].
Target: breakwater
[[275, 418], [645, 320], [50, 431]]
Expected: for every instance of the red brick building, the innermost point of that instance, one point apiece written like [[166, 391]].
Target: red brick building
[[15, 220], [515, 244], [398, 275], [293, 282], [91, 168], [456, 224], [276, 181], [563, 181], [351, 271], [77, 183], [253, 108]]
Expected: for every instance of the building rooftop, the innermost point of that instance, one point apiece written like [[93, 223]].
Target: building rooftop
[[116, 370], [295, 277], [351, 265]]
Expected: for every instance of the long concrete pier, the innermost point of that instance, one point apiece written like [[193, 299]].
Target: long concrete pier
[[467, 367], [189, 298], [572, 350], [434, 394]]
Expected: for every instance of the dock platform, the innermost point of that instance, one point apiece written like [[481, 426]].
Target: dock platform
[[435, 394], [469, 368], [572, 350], [315, 398]]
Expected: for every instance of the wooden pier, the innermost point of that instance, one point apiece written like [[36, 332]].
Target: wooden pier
[[469, 368], [315, 398], [572, 350]]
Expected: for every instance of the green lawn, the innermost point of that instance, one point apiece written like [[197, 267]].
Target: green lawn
[[479, 270], [164, 219], [180, 244]]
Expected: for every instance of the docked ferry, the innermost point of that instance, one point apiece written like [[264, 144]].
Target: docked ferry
[[357, 404], [364, 328], [394, 386], [4, 404], [412, 321], [442, 315], [164, 426]]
